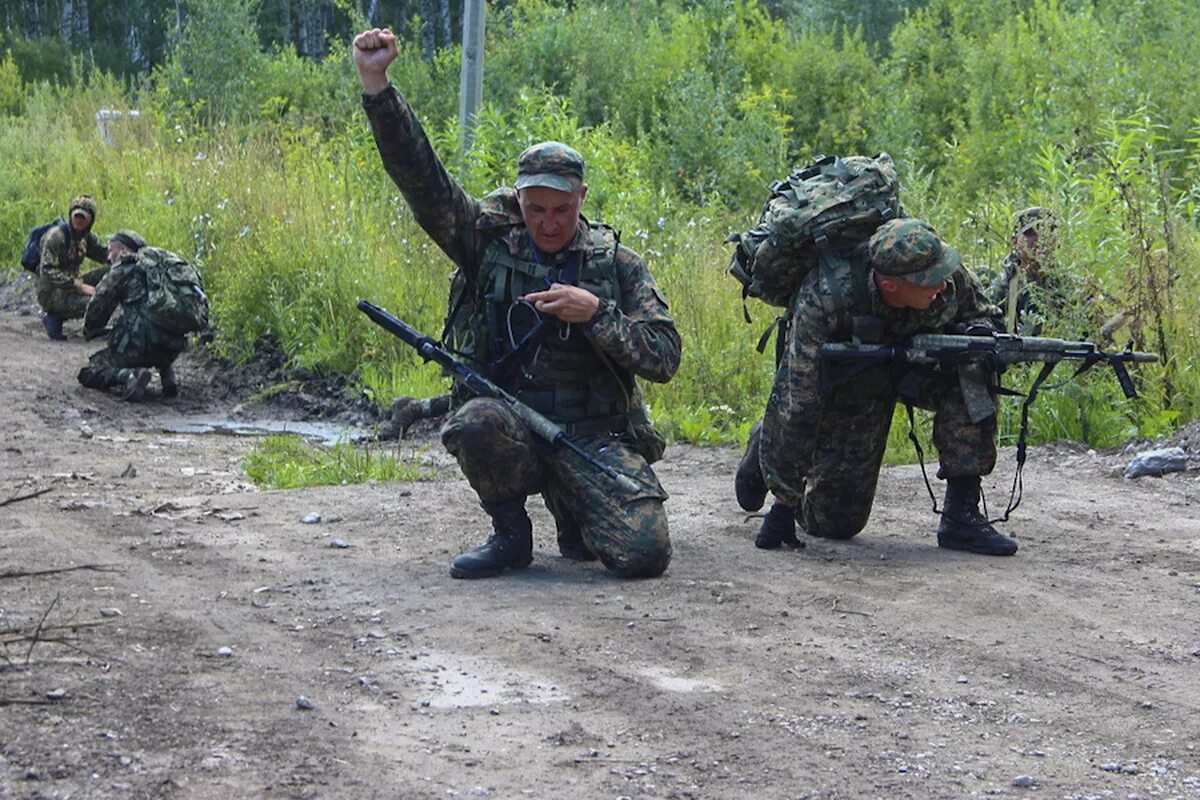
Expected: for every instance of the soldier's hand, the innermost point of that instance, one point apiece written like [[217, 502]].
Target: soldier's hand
[[568, 303], [374, 50], [87, 289]]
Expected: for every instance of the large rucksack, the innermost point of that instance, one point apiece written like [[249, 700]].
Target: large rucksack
[[31, 254], [175, 299], [831, 204]]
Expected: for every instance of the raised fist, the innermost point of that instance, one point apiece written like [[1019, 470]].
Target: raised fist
[[374, 50]]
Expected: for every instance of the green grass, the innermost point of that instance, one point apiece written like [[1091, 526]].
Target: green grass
[[290, 462]]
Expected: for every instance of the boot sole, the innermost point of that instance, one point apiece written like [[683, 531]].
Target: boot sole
[[980, 551], [473, 574]]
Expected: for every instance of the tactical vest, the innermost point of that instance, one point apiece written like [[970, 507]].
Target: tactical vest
[[554, 370]]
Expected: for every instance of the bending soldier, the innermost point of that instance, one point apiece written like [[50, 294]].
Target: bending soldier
[[558, 314], [822, 439], [61, 292], [152, 329]]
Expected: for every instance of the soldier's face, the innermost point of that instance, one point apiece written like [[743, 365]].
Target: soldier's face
[[80, 220], [1031, 246], [116, 250], [899, 293], [551, 216]]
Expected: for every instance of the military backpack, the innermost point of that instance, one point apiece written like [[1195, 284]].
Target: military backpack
[[829, 205], [31, 254], [175, 299]]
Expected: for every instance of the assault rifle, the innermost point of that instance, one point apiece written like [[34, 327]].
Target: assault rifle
[[987, 351], [479, 385], [992, 350]]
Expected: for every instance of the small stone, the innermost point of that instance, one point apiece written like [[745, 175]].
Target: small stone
[[425, 703], [56, 694], [224, 652], [1111, 766], [130, 471], [304, 703], [110, 612], [1024, 782], [338, 544], [961, 679], [85, 430], [32, 774], [311, 518]]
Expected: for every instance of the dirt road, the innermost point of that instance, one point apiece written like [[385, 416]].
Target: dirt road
[[187, 614]]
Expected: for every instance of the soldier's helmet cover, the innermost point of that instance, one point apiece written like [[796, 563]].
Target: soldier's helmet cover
[[1037, 217], [131, 239], [550, 164], [912, 250], [83, 203]]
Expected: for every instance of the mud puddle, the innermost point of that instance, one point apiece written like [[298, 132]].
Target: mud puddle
[[328, 433]]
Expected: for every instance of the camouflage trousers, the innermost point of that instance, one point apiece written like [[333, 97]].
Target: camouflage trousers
[[503, 460], [839, 485], [67, 302], [104, 366]]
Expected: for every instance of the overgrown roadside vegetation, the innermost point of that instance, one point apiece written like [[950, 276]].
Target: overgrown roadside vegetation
[[259, 165]]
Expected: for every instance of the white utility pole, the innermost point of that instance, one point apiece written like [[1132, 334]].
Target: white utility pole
[[470, 94]]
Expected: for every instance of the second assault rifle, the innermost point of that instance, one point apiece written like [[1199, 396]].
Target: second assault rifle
[[480, 385], [994, 351]]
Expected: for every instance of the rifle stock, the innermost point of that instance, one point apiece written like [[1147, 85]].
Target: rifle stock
[[480, 385]]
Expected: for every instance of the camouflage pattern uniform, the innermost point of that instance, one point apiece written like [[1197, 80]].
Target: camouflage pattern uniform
[[821, 450], [1050, 301], [62, 253], [134, 342], [597, 402]]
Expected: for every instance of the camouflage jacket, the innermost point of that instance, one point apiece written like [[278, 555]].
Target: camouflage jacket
[[1043, 301], [798, 398], [636, 331], [124, 287], [62, 253]]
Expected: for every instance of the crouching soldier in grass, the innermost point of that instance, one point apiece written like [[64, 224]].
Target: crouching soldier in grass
[[161, 301], [558, 314], [61, 292]]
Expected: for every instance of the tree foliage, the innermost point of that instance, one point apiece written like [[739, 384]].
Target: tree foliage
[[253, 151]]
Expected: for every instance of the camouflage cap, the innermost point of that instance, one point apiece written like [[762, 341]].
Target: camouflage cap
[[550, 164], [1035, 216], [912, 250], [85, 203], [131, 239]]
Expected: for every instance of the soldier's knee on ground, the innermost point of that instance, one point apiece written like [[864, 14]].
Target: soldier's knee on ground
[[638, 563], [827, 526]]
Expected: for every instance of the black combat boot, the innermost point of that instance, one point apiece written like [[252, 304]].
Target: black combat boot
[[778, 527], [964, 528], [748, 484], [53, 325], [170, 386], [133, 383], [509, 547]]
